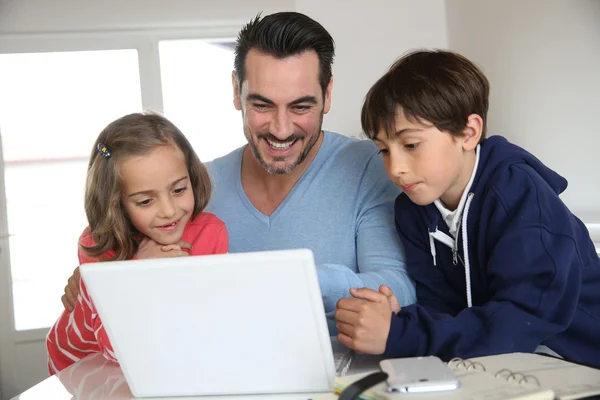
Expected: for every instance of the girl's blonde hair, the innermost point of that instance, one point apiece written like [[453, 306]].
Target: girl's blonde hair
[[132, 135]]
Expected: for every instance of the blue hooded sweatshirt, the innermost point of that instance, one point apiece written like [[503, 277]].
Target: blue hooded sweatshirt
[[523, 271]]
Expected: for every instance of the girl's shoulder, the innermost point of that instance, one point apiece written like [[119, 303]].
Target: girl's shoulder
[[207, 235], [86, 241], [204, 219]]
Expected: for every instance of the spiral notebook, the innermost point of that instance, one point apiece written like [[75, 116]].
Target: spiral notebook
[[514, 376]]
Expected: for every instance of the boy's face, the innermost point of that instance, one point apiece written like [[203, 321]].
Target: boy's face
[[427, 163]]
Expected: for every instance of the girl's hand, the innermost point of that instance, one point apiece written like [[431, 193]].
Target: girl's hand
[[150, 249]]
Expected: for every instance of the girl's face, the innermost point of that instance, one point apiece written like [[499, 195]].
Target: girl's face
[[157, 193]]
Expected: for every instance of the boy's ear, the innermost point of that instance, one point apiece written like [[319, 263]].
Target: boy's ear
[[472, 132]]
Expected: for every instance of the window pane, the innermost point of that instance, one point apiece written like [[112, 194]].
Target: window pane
[[197, 94], [52, 108]]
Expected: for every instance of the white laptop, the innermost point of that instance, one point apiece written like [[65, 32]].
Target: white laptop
[[244, 323]]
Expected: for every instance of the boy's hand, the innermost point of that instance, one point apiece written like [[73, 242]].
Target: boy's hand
[[148, 249], [392, 299], [364, 325]]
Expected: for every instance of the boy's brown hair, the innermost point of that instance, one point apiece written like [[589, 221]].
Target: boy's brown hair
[[132, 135], [432, 86]]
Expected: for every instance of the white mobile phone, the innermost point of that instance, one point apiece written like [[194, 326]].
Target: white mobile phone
[[418, 374]]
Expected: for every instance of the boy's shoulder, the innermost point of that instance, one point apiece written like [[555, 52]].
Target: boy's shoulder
[[411, 217], [507, 176], [510, 171]]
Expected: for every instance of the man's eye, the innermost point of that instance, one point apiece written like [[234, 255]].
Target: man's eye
[[260, 106]]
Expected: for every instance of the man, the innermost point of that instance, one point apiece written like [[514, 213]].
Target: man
[[293, 185]]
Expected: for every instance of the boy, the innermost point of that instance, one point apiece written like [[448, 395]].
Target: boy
[[500, 263]]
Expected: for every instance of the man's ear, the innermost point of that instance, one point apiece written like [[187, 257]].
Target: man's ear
[[472, 132], [327, 99], [237, 101]]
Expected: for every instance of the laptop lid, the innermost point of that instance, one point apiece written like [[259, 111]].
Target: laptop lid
[[243, 323]]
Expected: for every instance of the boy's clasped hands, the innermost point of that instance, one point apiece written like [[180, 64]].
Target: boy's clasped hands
[[364, 321]]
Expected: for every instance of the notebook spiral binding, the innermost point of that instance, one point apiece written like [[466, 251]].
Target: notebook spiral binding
[[505, 374], [469, 365], [517, 376]]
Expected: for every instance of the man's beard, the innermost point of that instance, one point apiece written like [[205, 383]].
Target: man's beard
[[286, 170]]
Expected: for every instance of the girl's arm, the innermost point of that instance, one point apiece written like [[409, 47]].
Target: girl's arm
[[78, 333]]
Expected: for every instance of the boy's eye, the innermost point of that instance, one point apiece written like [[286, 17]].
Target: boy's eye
[[383, 151], [411, 146], [180, 190]]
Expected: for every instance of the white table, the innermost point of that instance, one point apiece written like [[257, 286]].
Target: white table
[[95, 378]]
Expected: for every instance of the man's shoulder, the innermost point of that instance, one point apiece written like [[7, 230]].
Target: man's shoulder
[[225, 163], [349, 150], [355, 164]]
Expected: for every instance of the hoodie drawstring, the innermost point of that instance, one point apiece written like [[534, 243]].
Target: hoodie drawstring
[[466, 250], [432, 247], [453, 244]]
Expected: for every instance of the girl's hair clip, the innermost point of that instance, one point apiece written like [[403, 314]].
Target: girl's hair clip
[[102, 149]]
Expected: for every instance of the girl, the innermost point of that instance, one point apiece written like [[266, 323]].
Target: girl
[[145, 192]]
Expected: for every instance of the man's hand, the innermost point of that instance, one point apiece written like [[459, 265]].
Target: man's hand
[[364, 325], [392, 299], [148, 249], [69, 299]]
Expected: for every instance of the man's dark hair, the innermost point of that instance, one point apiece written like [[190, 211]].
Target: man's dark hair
[[282, 35]]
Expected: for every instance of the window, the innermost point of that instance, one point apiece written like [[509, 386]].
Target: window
[[53, 105], [197, 94], [52, 108]]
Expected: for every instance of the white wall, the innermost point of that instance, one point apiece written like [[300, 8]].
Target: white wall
[[22, 16], [543, 60], [369, 37]]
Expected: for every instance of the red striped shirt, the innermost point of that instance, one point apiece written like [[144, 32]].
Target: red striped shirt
[[79, 333]]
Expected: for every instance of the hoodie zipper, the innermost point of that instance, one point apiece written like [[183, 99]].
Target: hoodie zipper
[[455, 256]]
